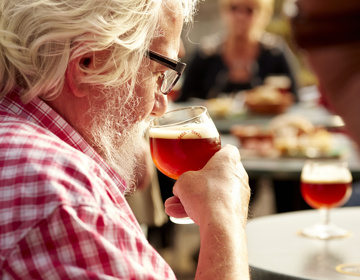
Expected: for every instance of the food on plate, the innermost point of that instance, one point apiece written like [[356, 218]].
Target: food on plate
[[219, 107], [267, 99], [296, 135], [281, 82], [254, 138], [226, 105], [288, 124], [286, 135]]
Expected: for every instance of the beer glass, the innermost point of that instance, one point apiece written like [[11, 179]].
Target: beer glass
[[182, 140], [325, 184]]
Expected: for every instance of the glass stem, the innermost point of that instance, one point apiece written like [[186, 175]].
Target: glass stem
[[325, 216]]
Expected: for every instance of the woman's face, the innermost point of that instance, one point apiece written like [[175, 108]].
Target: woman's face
[[243, 18]]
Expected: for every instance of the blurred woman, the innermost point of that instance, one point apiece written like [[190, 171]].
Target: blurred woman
[[241, 56]]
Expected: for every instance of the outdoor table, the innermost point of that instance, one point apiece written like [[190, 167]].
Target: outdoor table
[[277, 251]]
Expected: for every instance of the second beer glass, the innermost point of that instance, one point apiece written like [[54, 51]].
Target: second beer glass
[[183, 140], [324, 185]]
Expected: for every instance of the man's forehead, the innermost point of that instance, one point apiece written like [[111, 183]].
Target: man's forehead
[[167, 36], [166, 47]]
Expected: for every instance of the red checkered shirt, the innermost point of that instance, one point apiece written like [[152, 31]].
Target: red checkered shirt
[[63, 214]]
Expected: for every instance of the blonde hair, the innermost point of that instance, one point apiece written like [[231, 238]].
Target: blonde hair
[[265, 8], [266, 5], [39, 38]]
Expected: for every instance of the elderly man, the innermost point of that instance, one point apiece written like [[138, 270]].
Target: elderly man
[[78, 81]]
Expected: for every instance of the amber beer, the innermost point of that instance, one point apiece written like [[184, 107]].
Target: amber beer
[[329, 189], [177, 150], [325, 194]]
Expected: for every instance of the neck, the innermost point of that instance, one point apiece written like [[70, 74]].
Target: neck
[[73, 109]]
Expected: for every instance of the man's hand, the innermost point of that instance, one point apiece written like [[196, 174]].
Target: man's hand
[[218, 191]]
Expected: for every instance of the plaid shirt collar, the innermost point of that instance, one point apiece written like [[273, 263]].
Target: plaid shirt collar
[[38, 112]]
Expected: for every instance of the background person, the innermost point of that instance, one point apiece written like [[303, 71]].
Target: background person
[[77, 90], [239, 57]]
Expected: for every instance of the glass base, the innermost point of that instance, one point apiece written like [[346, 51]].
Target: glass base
[[324, 231], [182, 221], [349, 269]]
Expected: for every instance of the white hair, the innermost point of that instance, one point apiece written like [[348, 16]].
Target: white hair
[[39, 38]]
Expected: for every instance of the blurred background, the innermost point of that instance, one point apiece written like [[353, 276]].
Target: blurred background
[[179, 244], [208, 21]]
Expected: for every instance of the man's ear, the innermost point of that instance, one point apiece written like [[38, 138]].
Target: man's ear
[[75, 73]]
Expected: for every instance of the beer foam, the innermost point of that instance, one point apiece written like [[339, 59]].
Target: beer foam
[[193, 131], [326, 174]]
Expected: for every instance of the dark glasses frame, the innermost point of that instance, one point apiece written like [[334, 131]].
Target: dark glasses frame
[[172, 64]]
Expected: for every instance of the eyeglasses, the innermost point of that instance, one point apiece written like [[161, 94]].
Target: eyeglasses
[[169, 77]]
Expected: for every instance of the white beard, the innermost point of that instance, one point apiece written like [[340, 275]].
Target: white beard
[[123, 157], [117, 135]]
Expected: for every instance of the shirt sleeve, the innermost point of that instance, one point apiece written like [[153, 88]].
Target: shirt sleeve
[[85, 243], [63, 217]]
